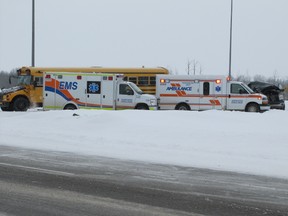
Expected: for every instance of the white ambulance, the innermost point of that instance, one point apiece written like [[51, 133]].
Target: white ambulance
[[65, 90], [186, 92]]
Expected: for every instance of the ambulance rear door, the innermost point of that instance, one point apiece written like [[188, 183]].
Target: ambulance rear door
[[49, 91], [108, 91]]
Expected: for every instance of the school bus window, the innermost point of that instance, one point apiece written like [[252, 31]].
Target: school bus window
[[152, 80], [143, 80], [38, 81], [133, 79]]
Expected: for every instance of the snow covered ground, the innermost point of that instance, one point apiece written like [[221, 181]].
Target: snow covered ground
[[251, 143]]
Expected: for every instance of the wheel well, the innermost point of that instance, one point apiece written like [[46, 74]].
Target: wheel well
[[21, 96], [252, 104], [70, 106], [142, 105], [182, 104]]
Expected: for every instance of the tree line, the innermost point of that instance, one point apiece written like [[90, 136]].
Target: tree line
[[4, 79]]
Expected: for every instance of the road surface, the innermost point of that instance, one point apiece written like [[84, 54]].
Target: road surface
[[46, 183]]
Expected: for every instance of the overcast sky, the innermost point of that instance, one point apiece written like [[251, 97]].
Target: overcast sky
[[150, 33]]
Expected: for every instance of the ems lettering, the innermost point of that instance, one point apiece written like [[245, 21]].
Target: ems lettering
[[68, 85], [175, 88]]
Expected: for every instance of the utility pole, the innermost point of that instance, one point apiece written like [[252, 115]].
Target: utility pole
[[230, 48], [33, 34]]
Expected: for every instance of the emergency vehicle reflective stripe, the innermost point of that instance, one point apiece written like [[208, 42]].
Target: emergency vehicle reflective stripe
[[218, 96], [215, 102], [191, 104]]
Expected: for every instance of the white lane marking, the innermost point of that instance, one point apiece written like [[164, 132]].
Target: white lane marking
[[39, 169]]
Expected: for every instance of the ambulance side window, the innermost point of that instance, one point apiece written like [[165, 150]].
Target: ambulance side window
[[206, 88], [237, 89], [125, 89]]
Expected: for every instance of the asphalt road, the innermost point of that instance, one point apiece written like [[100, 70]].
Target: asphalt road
[[57, 183]]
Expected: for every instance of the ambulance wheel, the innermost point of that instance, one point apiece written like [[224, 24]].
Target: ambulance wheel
[[20, 104], [252, 108], [142, 107], [182, 106], [70, 107]]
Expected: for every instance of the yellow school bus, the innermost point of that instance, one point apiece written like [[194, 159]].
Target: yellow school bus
[[29, 89]]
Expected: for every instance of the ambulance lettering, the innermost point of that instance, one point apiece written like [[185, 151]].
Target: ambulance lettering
[[68, 85], [176, 88], [124, 100], [237, 101]]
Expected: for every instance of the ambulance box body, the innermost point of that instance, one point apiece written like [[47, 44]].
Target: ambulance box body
[[93, 90], [187, 92]]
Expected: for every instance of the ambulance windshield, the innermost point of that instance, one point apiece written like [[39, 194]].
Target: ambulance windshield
[[248, 88], [136, 88]]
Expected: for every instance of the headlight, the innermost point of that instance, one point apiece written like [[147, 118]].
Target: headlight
[[153, 102], [5, 97]]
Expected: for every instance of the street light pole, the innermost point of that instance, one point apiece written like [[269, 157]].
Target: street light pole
[[33, 33], [230, 48]]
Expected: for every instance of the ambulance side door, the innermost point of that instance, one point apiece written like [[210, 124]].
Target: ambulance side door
[[210, 92], [125, 97], [237, 97], [93, 91]]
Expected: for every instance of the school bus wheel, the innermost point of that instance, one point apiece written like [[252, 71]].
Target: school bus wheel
[[182, 106], [21, 104]]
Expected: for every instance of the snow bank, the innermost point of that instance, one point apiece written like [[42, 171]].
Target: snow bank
[[232, 141]]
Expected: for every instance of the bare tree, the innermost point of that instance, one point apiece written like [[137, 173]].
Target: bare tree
[[194, 66], [243, 78], [188, 66], [260, 78], [4, 78]]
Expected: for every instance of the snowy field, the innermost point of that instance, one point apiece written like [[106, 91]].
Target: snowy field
[[251, 143]]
